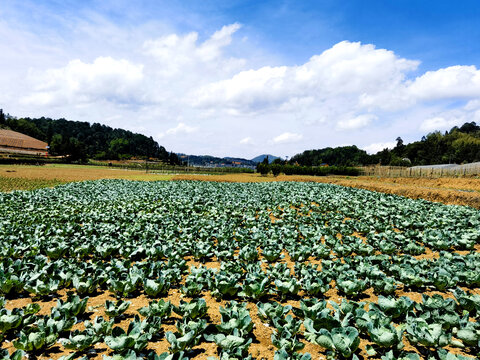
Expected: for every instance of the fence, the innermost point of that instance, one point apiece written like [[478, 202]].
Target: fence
[[430, 171]]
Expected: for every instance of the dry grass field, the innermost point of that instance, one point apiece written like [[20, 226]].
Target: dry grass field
[[19, 177], [459, 191]]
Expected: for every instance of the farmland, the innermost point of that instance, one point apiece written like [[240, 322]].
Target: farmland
[[21, 177], [458, 191], [189, 270]]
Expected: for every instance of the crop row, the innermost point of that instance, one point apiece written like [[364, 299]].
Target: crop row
[[432, 324], [263, 244]]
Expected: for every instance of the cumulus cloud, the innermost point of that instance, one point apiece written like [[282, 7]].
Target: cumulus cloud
[[287, 137], [347, 77], [376, 147], [163, 77], [447, 83], [177, 54], [77, 82]]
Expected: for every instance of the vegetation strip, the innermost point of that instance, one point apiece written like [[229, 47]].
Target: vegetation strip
[[274, 270]]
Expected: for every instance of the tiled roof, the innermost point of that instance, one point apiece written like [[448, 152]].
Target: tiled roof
[[15, 139]]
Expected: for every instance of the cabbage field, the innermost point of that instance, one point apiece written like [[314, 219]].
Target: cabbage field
[[116, 269]]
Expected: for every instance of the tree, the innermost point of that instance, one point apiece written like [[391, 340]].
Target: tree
[[173, 159], [26, 127], [399, 149], [71, 148], [384, 156], [57, 147], [118, 147], [276, 169], [49, 133], [263, 168], [76, 150], [96, 138], [469, 127], [3, 120], [339, 156]]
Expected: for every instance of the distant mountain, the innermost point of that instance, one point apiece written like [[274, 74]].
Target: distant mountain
[[260, 158], [212, 161]]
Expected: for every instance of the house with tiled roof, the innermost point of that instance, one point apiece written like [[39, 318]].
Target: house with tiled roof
[[18, 143]]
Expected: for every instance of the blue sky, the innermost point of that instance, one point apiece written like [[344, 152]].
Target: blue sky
[[438, 32], [241, 78]]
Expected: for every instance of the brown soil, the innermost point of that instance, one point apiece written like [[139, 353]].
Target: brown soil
[[260, 348]]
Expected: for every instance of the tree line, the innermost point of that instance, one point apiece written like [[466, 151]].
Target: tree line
[[279, 167], [79, 141], [459, 145]]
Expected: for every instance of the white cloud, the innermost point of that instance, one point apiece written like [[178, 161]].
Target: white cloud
[[287, 137], [180, 129], [177, 54], [246, 141], [472, 105], [79, 82], [152, 77], [357, 122], [348, 77], [451, 82], [435, 123], [445, 120], [376, 147], [184, 49]]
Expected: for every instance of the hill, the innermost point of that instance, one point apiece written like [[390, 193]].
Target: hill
[[339, 156], [260, 158], [212, 161], [81, 140], [459, 145]]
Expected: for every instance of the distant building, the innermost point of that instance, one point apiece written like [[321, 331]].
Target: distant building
[[17, 143]]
